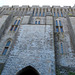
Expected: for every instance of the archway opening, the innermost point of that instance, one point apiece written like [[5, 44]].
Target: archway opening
[[28, 71]]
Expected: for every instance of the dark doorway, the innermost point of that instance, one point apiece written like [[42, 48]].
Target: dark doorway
[[28, 71]]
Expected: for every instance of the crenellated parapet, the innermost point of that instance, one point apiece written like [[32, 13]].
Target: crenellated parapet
[[22, 10]]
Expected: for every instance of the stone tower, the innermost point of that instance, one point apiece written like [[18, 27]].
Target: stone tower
[[39, 40]]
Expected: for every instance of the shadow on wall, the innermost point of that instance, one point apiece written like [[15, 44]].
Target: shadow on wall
[[28, 71], [1, 67]]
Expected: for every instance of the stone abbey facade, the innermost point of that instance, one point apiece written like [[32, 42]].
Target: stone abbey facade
[[37, 40]]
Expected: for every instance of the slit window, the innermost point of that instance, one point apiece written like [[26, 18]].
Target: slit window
[[38, 22], [58, 14], [56, 23], [33, 12], [15, 28], [54, 14], [36, 14], [35, 22], [61, 48], [43, 13], [57, 30], [60, 23], [40, 14], [15, 22], [11, 28], [6, 48], [61, 14], [61, 29], [18, 22], [8, 43]]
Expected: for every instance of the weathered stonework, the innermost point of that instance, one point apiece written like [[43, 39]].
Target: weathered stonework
[[35, 40], [33, 47]]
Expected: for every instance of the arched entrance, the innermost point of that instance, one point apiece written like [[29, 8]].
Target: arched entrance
[[28, 71]]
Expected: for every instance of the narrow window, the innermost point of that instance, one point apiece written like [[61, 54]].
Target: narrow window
[[15, 22], [58, 14], [36, 14], [61, 48], [8, 43], [57, 30], [38, 22], [6, 47], [5, 50], [54, 14], [60, 23], [43, 13], [56, 23], [61, 29], [35, 22], [11, 28], [33, 12], [61, 14], [15, 28], [18, 22], [40, 14]]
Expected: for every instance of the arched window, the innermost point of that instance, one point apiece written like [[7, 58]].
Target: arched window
[[11, 27], [36, 14], [43, 13], [15, 26], [18, 22], [28, 71], [60, 23], [15, 22], [61, 28], [35, 22], [6, 47], [40, 13], [58, 14], [33, 12], [61, 14], [38, 22], [56, 23], [57, 29], [8, 43]]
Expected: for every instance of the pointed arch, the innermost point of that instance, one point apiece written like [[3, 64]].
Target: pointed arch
[[9, 40], [29, 70], [7, 45]]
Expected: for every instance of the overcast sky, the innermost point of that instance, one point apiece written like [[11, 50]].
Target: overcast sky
[[37, 2]]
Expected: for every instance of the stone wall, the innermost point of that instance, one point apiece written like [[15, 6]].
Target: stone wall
[[35, 47], [33, 44], [65, 59]]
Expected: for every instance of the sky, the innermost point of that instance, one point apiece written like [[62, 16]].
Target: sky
[[38, 2]]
